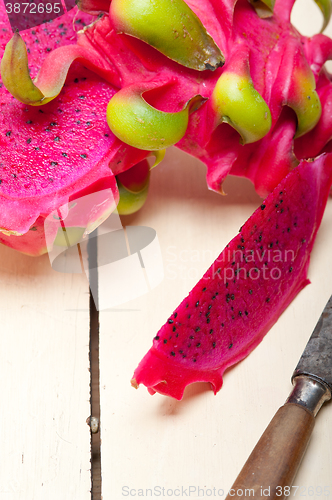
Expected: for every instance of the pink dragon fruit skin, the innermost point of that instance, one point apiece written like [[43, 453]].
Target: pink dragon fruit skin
[[240, 297], [283, 67]]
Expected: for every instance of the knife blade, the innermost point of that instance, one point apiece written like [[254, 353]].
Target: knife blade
[[271, 468]]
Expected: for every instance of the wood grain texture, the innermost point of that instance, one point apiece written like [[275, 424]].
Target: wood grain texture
[[204, 440], [44, 381], [275, 460]]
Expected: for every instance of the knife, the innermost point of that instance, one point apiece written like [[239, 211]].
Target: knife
[[271, 468]]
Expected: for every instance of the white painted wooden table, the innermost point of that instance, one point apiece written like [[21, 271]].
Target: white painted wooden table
[[148, 443], [44, 381], [202, 441]]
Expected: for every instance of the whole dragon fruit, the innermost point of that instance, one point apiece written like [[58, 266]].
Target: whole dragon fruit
[[231, 82]]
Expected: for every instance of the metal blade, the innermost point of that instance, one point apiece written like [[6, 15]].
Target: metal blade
[[316, 360]]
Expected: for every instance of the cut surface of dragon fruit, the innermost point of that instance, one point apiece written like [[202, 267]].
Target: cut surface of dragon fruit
[[54, 154], [236, 86], [239, 298]]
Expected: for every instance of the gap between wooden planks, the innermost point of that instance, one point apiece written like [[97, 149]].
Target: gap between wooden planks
[[94, 379]]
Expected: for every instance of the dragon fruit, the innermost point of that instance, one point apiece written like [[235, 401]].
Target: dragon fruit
[[240, 297], [230, 82], [52, 155]]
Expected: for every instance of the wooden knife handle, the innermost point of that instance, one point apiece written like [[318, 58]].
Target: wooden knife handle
[[273, 463]]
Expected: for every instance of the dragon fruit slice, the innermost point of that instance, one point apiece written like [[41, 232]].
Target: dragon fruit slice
[[240, 297], [52, 155], [236, 86]]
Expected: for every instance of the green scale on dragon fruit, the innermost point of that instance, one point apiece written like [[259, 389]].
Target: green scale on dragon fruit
[[239, 298], [245, 93]]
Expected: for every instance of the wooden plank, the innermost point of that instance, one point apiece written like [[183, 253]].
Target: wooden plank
[[44, 381], [151, 443]]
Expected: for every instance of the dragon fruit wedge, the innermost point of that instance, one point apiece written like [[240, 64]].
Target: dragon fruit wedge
[[240, 297], [230, 82]]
